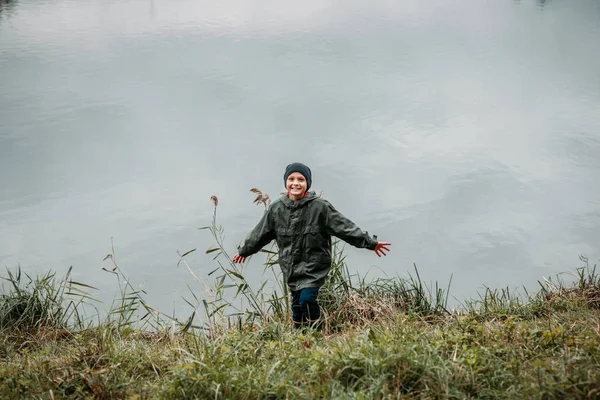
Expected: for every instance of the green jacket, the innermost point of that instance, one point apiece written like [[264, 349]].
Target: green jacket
[[303, 230]]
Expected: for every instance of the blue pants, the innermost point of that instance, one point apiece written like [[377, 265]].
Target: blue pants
[[305, 308]]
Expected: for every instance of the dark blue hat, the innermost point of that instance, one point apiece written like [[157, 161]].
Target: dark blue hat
[[298, 167]]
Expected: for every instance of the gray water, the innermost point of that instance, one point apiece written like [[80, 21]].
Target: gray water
[[465, 133]]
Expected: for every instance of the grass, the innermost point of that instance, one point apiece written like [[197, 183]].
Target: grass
[[41, 302], [388, 338]]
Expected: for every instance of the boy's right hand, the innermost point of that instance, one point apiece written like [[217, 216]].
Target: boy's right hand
[[238, 259]]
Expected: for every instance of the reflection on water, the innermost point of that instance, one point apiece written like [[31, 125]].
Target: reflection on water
[[6, 6], [540, 3]]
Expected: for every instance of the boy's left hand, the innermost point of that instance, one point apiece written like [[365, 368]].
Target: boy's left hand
[[382, 248]]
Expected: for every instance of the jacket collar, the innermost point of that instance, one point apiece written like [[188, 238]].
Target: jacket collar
[[309, 196]]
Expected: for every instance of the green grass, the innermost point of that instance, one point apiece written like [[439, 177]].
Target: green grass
[[41, 302], [383, 339], [375, 345]]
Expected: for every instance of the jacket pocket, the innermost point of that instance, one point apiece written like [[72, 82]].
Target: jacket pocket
[[284, 239], [314, 239]]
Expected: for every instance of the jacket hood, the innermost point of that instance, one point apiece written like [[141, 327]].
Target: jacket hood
[[297, 203]]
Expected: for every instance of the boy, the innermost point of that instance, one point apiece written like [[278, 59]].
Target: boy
[[302, 224]]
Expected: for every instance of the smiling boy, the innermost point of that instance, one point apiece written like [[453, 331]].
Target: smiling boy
[[302, 225]]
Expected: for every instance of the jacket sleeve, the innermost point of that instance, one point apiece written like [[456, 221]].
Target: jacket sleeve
[[340, 226], [259, 237]]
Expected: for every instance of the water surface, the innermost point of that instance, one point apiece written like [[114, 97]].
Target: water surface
[[468, 134]]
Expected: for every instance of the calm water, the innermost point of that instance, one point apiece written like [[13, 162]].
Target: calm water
[[466, 133]]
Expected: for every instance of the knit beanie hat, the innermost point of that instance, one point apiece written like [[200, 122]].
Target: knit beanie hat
[[298, 167]]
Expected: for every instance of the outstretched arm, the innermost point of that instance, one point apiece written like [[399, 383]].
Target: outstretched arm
[[348, 231], [260, 236]]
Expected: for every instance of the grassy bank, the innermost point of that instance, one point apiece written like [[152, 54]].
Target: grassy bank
[[389, 338], [375, 345]]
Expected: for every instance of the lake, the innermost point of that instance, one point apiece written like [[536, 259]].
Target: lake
[[465, 133]]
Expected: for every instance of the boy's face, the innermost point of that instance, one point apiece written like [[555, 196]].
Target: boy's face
[[296, 185]]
